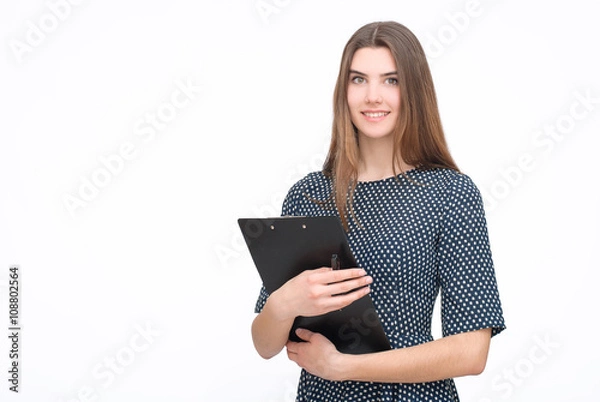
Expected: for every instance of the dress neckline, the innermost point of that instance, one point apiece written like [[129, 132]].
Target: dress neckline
[[385, 179]]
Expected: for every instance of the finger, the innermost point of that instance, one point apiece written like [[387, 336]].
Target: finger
[[341, 275], [349, 285], [292, 356], [292, 347], [327, 276], [322, 270], [335, 301], [304, 334], [342, 300]]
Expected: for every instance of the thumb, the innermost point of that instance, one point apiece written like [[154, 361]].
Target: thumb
[[304, 334]]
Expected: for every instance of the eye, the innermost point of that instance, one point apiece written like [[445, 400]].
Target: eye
[[392, 81], [357, 80]]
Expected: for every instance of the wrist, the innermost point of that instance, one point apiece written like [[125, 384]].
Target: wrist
[[277, 308], [345, 367]]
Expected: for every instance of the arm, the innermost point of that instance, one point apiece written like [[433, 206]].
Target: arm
[[311, 293], [270, 330], [452, 356]]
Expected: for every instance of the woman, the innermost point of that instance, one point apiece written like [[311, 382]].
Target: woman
[[415, 225]]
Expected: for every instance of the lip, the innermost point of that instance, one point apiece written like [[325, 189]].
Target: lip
[[375, 115]]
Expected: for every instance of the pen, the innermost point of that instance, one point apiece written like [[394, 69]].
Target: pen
[[335, 262]]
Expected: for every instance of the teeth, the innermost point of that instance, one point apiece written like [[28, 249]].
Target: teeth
[[378, 114]]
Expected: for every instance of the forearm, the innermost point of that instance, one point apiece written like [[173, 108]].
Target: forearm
[[269, 332], [449, 357], [309, 294]]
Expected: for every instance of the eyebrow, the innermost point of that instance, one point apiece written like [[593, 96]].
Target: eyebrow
[[382, 75]]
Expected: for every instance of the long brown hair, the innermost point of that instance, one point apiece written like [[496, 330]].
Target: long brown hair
[[418, 137]]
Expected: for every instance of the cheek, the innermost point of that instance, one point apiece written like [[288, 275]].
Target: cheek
[[393, 98], [354, 97], [397, 99]]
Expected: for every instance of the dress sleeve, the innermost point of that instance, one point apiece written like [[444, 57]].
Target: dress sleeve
[[469, 292], [288, 208]]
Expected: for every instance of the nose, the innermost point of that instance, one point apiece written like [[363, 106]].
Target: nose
[[373, 95]]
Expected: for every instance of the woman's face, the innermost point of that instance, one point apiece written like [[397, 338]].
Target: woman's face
[[373, 92]]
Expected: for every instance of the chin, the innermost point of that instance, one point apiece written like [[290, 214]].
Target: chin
[[375, 135]]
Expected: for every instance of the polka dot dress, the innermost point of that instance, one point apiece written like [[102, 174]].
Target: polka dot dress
[[418, 237]]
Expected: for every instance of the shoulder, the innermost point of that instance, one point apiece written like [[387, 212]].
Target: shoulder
[[314, 185], [452, 186]]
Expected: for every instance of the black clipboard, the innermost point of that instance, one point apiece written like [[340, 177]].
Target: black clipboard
[[283, 247]]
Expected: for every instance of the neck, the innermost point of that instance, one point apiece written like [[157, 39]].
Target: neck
[[376, 156]]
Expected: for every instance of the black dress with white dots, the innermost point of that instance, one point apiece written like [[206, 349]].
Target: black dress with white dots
[[418, 236]]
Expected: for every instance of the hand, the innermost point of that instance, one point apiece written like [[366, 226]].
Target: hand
[[317, 355], [319, 291]]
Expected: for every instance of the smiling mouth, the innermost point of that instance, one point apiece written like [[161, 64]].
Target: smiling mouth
[[375, 115]]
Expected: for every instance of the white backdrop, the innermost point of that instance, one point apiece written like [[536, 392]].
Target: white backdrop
[[135, 133]]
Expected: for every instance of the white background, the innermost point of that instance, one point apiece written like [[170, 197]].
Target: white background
[[158, 247]]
